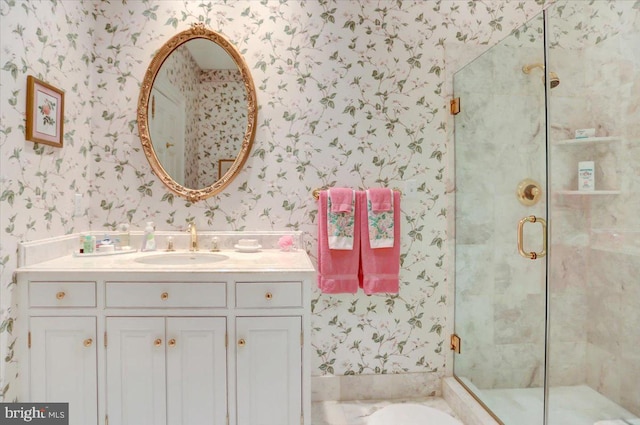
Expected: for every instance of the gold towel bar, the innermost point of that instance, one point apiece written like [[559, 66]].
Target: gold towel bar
[[316, 192]]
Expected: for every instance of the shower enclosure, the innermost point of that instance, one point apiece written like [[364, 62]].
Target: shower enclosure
[[547, 271]]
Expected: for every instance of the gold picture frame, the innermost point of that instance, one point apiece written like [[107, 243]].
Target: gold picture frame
[[45, 113], [224, 165]]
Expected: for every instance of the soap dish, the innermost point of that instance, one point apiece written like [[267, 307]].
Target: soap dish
[[248, 248]]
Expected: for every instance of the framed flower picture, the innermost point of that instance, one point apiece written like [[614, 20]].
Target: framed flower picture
[[45, 113], [223, 166]]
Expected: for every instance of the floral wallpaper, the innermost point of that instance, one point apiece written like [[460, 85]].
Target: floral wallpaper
[[37, 182], [222, 121], [350, 93]]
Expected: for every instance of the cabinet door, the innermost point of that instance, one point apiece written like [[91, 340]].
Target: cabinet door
[[63, 365], [196, 371], [269, 370], [136, 387]]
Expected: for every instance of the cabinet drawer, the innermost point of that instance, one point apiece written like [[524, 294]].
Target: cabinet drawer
[[62, 294], [172, 295], [268, 294]]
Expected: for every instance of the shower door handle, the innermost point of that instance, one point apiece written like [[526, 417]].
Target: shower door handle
[[532, 255]]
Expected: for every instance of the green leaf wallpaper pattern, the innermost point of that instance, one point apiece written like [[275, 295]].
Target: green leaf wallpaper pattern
[[351, 93]]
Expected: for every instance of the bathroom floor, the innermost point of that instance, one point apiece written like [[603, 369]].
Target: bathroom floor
[[357, 412]]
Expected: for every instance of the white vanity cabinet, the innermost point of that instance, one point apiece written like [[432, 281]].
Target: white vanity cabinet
[[62, 349], [167, 347], [63, 364], [268, 388], [196, 370], [166, 370], [135, 371]]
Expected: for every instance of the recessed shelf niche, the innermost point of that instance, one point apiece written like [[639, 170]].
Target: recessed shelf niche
[[566, 154]]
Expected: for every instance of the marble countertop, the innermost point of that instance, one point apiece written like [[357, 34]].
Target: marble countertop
[[59, 254], [264, 260]]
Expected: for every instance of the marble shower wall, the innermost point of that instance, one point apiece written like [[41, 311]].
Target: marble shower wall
[[350, 93], [596, 239]]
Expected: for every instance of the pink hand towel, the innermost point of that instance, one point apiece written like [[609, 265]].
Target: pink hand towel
[[380, 218], [342, 199], [380, 268], [341, 218], [381, 199], [337, 269]]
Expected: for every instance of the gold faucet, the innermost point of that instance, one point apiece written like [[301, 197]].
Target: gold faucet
[[193, 245]]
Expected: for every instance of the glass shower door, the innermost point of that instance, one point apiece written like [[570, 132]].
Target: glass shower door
[[500, 145], [594, 269]]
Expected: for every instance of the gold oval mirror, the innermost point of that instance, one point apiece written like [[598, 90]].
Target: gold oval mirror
[[197, 113]]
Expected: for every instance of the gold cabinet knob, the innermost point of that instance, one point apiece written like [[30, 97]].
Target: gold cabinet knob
[[88, 342], [172, 342], [164, 296], [268, 295], [60, 295], [242, 342], [157, 342]]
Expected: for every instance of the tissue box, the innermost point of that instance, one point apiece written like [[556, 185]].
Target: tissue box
[[584, 133]]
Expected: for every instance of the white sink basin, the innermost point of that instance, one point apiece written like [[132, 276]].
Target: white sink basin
[[181, 258]]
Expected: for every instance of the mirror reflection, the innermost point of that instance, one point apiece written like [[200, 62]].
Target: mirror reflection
[[197, 113]]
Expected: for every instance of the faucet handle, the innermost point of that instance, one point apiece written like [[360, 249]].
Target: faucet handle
[[214, 244], [170, 244]]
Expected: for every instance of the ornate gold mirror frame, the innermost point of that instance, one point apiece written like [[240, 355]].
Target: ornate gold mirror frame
[[197, 31]]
